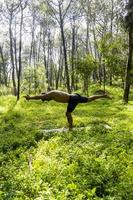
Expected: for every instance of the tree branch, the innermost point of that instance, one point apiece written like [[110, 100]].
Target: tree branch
[[53, 10], [67, 9]]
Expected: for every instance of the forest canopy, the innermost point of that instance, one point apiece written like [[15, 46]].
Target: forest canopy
[[63, 44]]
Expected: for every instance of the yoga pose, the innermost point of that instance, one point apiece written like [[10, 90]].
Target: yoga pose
[[63, 97]]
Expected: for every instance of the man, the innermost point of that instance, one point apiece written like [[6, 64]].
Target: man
[[63, 97]]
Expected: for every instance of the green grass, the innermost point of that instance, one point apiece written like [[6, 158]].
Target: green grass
[[95, 163]]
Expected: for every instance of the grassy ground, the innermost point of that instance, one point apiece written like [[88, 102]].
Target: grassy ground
[[93, 163]]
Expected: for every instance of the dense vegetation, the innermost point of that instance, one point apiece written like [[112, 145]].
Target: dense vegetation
[[75, 46], [65, 44], [92, 163]]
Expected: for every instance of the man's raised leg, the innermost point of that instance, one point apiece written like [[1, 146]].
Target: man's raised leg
[[94, 97]]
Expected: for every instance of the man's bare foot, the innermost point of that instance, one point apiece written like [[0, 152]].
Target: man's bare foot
[[27, 97]]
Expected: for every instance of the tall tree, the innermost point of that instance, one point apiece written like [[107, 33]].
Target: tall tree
[[129, 24], [3, 68], [59, 11], [12, 8], [23, 5]]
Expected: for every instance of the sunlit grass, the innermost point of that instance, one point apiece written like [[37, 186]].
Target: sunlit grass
[[92, 163], [3, 109]]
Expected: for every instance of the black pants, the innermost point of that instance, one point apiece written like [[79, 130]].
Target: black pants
[[74, 100]]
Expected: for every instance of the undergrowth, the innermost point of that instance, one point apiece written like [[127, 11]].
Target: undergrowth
[[95, 162]]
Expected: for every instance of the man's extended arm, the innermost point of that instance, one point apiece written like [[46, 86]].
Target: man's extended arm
[[38, 97]]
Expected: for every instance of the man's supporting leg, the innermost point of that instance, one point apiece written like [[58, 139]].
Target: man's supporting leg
[[69, 119]]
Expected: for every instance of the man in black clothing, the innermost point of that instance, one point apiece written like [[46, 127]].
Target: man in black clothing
[[72, 99]]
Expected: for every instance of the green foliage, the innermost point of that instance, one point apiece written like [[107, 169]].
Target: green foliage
[[94, 163], [5, 90], [113, 50], [33, 79], [86, 65]]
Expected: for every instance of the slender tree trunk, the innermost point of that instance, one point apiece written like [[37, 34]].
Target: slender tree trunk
[[64, 50], [12, 57], [87, 34], [48, 61], [129, 67], [44, 55], [96, 55], [100, 74], [51, 64], [15, 56], [3, 66], [39, 45], [32, 58], [111, 31], [110, 77], [59, 70], [20, 52], [73, 55], [15, 51], [32, 40], [57, 77], [104, 77]]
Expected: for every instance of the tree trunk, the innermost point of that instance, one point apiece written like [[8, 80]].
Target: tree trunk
[[48, 60], [12, 57], [59, 70], [3, 66], [104, 77], [110, 77], [15, 51], [87, 35], [39, 44], [73, 55], [129, 67], [20, 51], [100, 74], [64, 50], [44, 55]]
